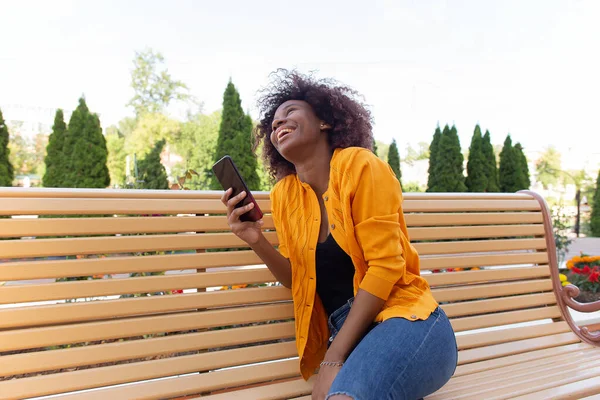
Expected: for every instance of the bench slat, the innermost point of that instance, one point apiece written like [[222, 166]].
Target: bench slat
[[274, 391], [491, 290], [20, 227], [118, 351], [138, 371], [96, 206], [131, 327], [108, 309], [28, 270], [469, 205], [504, 318], [480, 246], [430, 263], [473, 232], [586, 387], [123, 244], [500, 274], [496, 305], [149, 284], [473, 218]]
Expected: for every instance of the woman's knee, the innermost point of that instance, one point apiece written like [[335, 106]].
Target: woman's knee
[[340, 397]]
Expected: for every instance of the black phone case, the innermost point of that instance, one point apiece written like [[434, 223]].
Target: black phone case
[[229, 177]]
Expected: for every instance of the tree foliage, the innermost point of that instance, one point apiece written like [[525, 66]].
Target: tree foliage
[[153, 85], [235, 139], [524, 182], [412, 155], [116, 163], [491, 166], [595, 217], [55, 158], [394, 160], [476, 180], [548, 167], [151, 173], [85, 150], [433, 159], [448, 167], [510, 168], [7, 173]]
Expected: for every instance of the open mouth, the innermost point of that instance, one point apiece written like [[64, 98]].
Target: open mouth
[[284, 132]]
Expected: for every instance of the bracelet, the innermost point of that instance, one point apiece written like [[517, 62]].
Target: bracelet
[[332, 363]]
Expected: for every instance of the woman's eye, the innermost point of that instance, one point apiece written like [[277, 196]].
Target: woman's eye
[[291, 110]]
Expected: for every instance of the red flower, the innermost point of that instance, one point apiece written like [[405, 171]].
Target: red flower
[[435, 270], [586, 269], [594, 276], [177, 291], [576, 270], [449, 270]]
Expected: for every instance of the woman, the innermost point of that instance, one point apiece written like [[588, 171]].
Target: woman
[[365, 318]]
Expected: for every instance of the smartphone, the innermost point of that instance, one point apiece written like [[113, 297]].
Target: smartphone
[[229, 177]]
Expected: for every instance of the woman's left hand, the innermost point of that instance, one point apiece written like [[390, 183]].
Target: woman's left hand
[[324, 380]]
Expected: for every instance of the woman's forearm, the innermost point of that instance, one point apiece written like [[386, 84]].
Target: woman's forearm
[[362, 314], [278, 265]]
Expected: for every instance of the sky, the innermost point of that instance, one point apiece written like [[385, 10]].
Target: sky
[[528, 68]]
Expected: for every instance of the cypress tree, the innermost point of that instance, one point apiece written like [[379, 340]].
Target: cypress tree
[[476, 165], [235, 139], [374, 146], [7, 172], [433, 157], [491, 168], [394, 160], [55, 159], [151, 173], [449, 168], [85, 150], [595, 217], [524, 181], [510, 168]]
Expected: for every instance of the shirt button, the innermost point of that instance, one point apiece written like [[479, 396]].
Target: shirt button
[[332, 226], [326, 198], [413, 316]]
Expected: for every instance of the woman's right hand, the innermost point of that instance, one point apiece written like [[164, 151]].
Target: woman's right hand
[[249, 232]]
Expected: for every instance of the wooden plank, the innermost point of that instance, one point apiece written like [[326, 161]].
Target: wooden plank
[[492, 306], [133, 349], [504, 318], [469, 205], [471, 218], [95, 206], [192, 384], [123, 244], [467, 370], [103, 376], [108, 309], [480, 246], [465, 196], [20, 227], [118, 286], [517, 341], [489, 275], [272, 391], [588, 387], [130, 327], [473, 232], [29, 270], [487, 260], [491, 290]]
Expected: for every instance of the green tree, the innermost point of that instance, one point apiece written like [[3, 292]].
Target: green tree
[[548, 167], [85, 150], [7, 173], [433, 159], [491, 166], [235, 139], [116, 163], [595, 217], [476, 165], [524, 182], [150, 128], [374, 146], [382, 150], [153, 85], [449, 166], [55, 158], [151, 173], [394, 160], [510, 168]]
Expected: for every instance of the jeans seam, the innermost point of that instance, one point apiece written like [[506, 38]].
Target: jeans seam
[[401, 374], [342, 393]]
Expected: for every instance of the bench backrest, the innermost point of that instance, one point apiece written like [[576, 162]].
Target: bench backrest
[[109, 287]]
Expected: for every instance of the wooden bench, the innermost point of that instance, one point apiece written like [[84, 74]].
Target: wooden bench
[[515, 335]]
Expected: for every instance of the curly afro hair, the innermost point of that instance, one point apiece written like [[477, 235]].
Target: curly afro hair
[[336, 105]]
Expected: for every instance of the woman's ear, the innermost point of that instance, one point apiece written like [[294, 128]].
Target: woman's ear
[[324, 126]]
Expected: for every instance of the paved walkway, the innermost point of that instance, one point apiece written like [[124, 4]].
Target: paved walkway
[[588, 245]]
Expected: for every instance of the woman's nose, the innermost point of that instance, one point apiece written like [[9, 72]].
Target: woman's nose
[[277, 123]]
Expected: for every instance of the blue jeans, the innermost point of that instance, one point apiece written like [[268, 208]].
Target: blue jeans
[[396, 359]]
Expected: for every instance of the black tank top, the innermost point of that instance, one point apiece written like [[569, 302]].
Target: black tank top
[[335, 274]]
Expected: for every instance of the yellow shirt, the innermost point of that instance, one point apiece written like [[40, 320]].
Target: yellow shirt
[[364, 206]]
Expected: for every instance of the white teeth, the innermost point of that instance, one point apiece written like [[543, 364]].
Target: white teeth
[[282, 132]]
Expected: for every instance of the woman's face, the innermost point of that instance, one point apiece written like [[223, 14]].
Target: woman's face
[[296, 128]]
